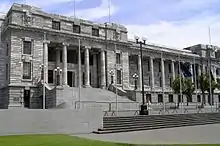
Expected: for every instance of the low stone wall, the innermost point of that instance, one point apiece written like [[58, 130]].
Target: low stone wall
[[60, 121]]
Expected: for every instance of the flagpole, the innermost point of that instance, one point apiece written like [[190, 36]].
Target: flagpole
[[109, 11], [194, 69], [164, 109], [210, 80], [180, 86], [74, 5]]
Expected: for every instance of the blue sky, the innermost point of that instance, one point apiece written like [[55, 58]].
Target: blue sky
[[177, 23]]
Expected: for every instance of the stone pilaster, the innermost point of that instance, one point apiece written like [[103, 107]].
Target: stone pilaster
[[45, 61], [173, 70], [103, 74], [64, 64], [87, 67], [152, 71], [163, 73], [139, 72]]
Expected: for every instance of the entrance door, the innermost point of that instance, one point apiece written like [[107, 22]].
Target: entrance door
[[26, 98], [70, 78]]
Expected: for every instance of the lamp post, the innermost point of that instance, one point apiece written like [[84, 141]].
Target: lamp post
[[42, 68], [144, 110], [112, 76], [58, 72], [135, 77]]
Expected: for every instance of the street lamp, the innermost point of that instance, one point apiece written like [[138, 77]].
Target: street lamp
[[58, 72], [42, 68], [112, 76], [135, 77], [144, 110]]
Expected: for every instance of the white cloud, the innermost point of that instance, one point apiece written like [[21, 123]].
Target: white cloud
[[180, 34], [96, 12]]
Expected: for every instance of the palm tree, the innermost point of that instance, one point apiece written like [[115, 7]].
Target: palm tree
[[187, 87]]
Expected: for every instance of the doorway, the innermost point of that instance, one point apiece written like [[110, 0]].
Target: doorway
[[27, 98], [70, 78]]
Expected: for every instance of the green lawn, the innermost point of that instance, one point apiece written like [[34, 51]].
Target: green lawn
[[53, 140]]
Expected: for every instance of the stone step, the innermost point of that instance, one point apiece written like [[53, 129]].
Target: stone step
[[147, 118], [157, 116], [152, 122], [128, 129]]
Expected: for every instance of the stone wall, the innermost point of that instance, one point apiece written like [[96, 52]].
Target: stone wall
[[68, 121], [4, 98]]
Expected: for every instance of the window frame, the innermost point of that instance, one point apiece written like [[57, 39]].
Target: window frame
[[95, 32], [54, 25], [76, 27], [30, 70], [25, 52]]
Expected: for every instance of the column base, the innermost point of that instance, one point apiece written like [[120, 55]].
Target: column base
[[87, 86], [102, 86]]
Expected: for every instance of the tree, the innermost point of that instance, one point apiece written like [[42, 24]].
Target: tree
[[187, 87], [205, 86]]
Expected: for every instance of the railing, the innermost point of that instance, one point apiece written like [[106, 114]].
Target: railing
[[110, 105]]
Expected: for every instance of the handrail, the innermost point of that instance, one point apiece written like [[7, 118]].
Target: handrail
[[105, 102]]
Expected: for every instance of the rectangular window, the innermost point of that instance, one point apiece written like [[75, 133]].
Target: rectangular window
[[6, 72], [76, 28], [198, 98], [219, 98], [149, 81], [159, 66], [148, 65], [95, 32], [56, 25], [160, 82], [148, 98], [160, 98], [50, 76], [179, 98], [26, 70], [26, 47], [7, 49], [90, 59], [171, 98], [118, 58], [170, 68], [118, 76], [171, 82]]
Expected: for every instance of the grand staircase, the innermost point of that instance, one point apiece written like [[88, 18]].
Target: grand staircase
[[67, 97], [138, 123]]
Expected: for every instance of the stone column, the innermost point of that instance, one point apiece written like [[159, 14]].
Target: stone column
[[163, 73], [45, 61], [64, 64], [173, 70], [103, 76], [214, 73], [94, 70], [152, 71], [191, 70], [87, 67], [139, 72]]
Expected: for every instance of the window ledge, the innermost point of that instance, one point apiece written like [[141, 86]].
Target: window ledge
[[26, 80]]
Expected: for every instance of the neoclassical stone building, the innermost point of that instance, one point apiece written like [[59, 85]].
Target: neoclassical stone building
[[32, 39]]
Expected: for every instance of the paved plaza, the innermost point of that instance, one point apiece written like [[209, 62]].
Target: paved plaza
[[204, 134]]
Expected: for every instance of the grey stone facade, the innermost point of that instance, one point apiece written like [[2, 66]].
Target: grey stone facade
[[99, 44]]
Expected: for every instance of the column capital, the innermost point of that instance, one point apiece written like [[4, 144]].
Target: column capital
[[65, 44], [46, 41], [87, 47]]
